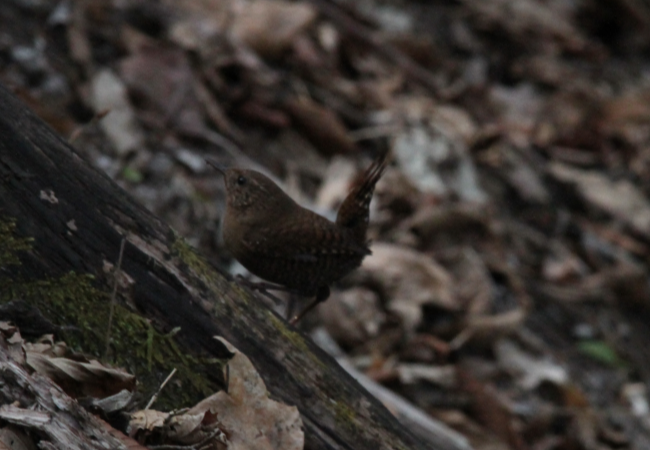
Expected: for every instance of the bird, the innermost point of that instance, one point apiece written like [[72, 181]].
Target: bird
[[292, 247]]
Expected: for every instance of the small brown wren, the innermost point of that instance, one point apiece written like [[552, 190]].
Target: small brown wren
[[284, 243]]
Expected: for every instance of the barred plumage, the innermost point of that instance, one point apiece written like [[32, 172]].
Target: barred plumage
[[282, 242]]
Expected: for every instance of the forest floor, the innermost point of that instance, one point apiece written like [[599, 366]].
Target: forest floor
[[507, 295]]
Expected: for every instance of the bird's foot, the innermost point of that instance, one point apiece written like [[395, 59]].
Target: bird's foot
[[322, 294]]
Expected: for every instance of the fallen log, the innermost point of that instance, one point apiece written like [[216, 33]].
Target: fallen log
[[61, 224]]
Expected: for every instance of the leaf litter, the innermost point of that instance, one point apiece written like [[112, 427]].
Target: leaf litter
[[510, 234]]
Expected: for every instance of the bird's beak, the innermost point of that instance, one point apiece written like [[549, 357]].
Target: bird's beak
[[220, 167]]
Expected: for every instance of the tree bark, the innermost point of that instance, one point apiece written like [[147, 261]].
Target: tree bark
[[74, 219]]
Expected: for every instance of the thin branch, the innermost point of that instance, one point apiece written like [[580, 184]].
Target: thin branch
[[155, 396]]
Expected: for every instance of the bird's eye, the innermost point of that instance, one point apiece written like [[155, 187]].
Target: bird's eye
[[241, 180]]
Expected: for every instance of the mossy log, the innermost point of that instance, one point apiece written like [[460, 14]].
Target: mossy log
[[61, 225]]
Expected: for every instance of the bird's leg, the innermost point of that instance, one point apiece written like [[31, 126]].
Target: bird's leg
[[322, 294], [291, 306], [263, 288]]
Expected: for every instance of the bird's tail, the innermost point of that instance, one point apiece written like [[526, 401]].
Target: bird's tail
[[354, 211]]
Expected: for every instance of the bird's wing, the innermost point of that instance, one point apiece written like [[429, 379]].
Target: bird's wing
[[307, 240]]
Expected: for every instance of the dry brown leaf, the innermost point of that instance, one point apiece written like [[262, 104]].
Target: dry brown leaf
[[320, 125], [78, 377], [621, 199], [566, 118], [188, 429], [524, 175], [47, 346], [435, 156], [433, 222], [13, 341], [623, 282], [531, 19], [485, 328], [561, 264], [530, 370], [162, 79], [517, 108], [628, 116], [484, 325], [195, 24], [410, 280], [148, 420], [270, 27], [353, 316], [474, 285], [488, 410], [245, 414], [412, 373]]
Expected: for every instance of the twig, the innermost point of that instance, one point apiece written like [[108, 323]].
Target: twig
[[155, 396], [113, 295]]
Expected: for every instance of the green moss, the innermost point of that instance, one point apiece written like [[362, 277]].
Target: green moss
[[11, 245], [198, 264], [296, 339], [345, 416], [80, 305]]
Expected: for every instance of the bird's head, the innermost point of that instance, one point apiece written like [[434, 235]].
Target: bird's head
[[246, 189]]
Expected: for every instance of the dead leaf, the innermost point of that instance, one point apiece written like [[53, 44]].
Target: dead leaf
[[436, 160], [628, 116], [162, 79], [320, 125], [530, 371], [78, 377], [410, 280], [531, 19], [353, 316], [120, 124], [488, 410], [146, 419], [444, 376], [12, 340], [518, 108], [434, 222], [621, 199], [195, 24], [270, 27], [245, 414]]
